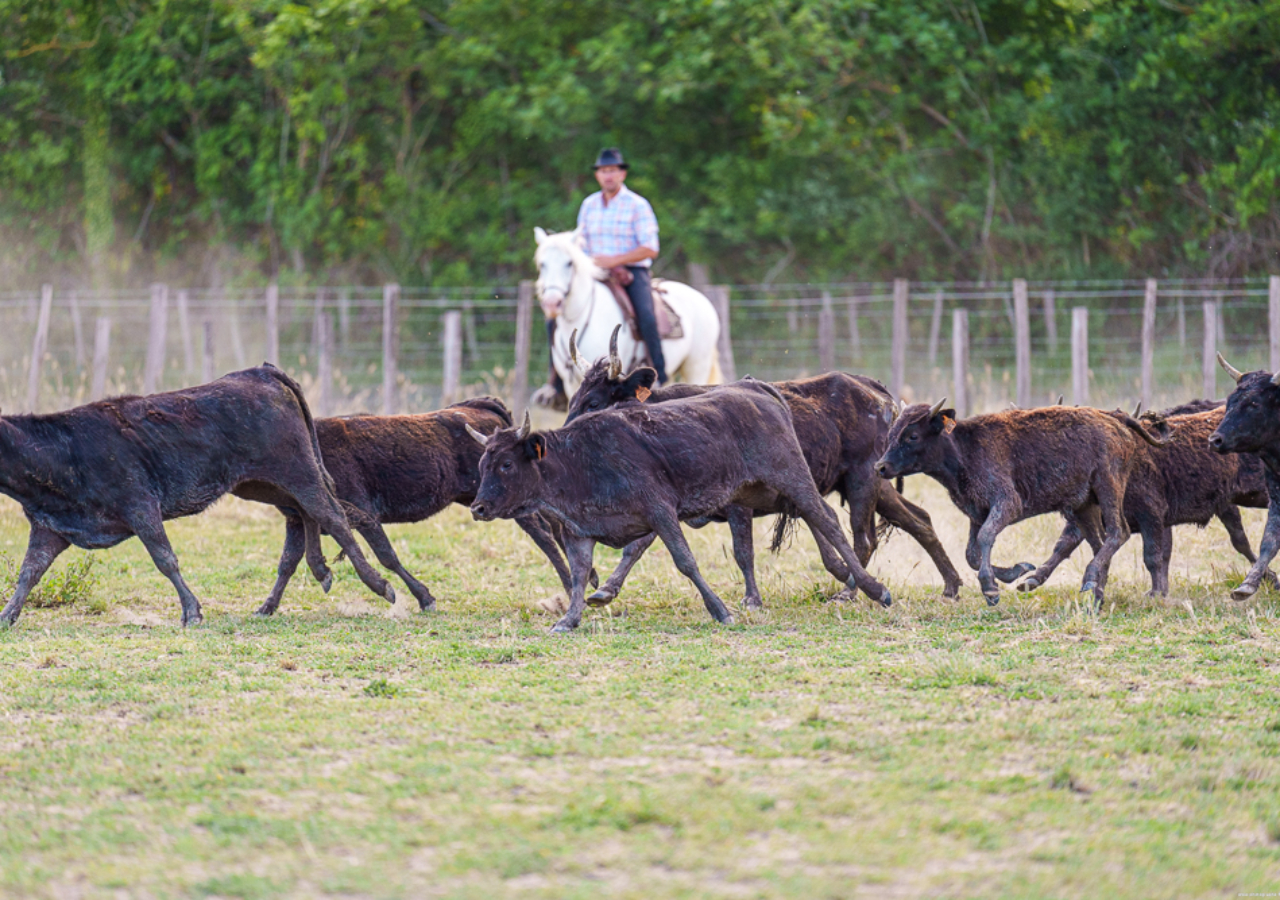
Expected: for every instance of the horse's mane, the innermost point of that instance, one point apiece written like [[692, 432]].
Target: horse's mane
[[568, 242]]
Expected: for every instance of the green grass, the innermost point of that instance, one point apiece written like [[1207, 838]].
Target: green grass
[[812, 750]]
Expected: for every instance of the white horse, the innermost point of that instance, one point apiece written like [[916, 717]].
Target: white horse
[[571, 290]]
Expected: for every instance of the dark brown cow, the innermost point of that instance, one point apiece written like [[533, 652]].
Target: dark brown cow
[[1008, 466], [402, 469], [841, 422], [1251, 425], [1182, 482], [99, 474], [626, 473]]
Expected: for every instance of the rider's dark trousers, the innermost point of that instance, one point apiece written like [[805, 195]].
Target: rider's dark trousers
[[641, 293]]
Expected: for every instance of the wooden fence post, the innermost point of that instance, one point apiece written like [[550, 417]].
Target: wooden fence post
[[101, 353], [469, 332], [826, 334], [390, 346], [935, 326], [699, 276], [184, 325], [1148, 343], [1080, 356], [77, 329], [1209, 361], [1022, 343], [38, 346], [960, 360], [153, 373], [237, 343], [901, 293], [524, 335], [344, 318], [1051, 320], [451, 337], [324, 363], [1273, 302], [273, 324], [1182, 324], [720, 299], [207, 370], [855, 336]]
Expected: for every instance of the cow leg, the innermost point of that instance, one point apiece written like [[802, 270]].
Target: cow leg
[[673, 537], [149, 527], [294, 547], [998, 518], [1230, 519], [579, 552], [1080, 526], [860, 494], [315, 501], [43, 547], [740, 521], [380, 544], [613, 585], [1157, 546], [902, 513], [315, 554], [973, 556], [824, 524], [1110, 494], [537, 529]]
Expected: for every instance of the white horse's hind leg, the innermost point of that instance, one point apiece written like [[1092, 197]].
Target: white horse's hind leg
[[704, 370]]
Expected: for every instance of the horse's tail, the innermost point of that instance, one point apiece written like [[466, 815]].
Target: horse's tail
[[715, 376]]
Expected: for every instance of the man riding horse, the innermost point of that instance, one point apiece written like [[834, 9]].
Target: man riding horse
[[618, 229]]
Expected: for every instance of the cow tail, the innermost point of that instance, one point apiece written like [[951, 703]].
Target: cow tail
[[783, 528], [296, 389], [1146, 435]]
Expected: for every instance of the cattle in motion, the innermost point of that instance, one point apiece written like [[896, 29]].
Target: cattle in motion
[[1008, 466], [1181, 482], [99, 474], [405, 468], [623, 474], [1251, 424], [841, 422]]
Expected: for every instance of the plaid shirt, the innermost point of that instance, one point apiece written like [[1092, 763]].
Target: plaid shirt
[[626, 223]]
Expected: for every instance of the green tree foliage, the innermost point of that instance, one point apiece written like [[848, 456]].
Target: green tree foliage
[[810, 139]]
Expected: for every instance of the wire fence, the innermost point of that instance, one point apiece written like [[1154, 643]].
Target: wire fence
[[778, 332]]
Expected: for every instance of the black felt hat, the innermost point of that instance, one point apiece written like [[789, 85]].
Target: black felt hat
[[610, 156]]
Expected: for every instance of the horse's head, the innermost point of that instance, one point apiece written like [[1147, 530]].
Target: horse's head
[[559, 259]]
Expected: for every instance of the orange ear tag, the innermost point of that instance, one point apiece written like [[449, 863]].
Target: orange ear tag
[[642, 394], [542, 451], [948, 424]]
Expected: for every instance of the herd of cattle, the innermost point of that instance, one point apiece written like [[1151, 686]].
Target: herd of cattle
[[634, 461]]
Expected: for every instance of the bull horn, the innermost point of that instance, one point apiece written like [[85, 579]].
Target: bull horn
[[1059, 403], [615, 361], [480, 439], [525, 428], [1137, 410], [574, 358], [1275, 379], [937, 407], [1231, 370]]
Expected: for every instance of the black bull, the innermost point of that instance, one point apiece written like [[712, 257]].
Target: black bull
[[1251, 424], [99, 474], [842, 424], [623, 474]]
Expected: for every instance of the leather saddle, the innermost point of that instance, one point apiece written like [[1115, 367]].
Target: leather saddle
[[669, 325]]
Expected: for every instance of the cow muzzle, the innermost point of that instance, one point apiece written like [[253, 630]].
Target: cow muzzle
[[884, 470], [1218, 443], [482, 512]]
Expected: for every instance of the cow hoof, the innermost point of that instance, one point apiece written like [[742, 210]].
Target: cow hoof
[[1244, 592], [594, 578], [886, 599], [1025, 568], [8, 621], [951, 592], [727, 620], [752, 603], [562, 627], [327, 582], [601, 598], [193, 620], [390, 595], [266, 609], [1029, 585], [845, 595], [992, 599], [1089, 586]]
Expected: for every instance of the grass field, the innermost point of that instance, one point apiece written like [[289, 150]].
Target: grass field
[[812, 750]]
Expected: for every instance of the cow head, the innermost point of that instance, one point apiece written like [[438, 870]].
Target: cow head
[[510, 482], [917, 440], [1252, 419], [604, 385]]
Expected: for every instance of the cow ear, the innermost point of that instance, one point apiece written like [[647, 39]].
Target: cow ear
[[535, 447], [638, 384], [948, 421]]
